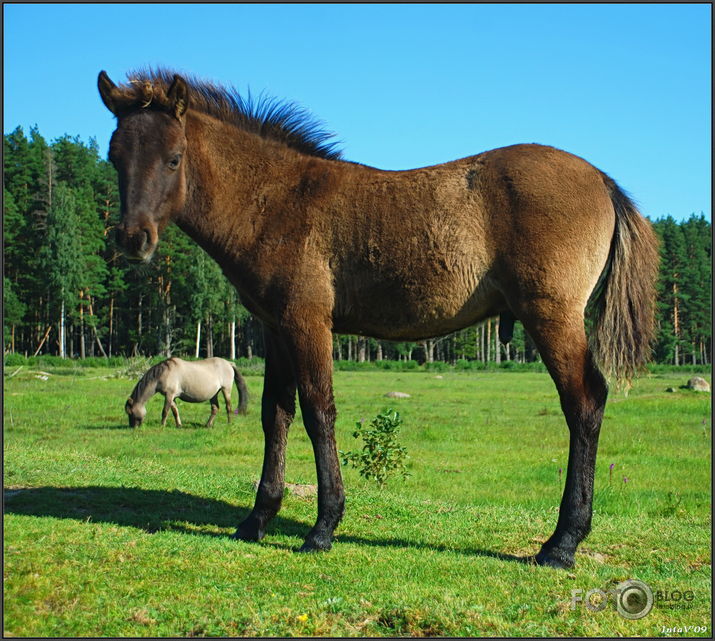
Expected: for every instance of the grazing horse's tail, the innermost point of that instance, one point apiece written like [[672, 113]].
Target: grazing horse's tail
[[242, 390], [622, 305]]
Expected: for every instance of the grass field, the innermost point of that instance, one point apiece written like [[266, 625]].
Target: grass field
[[111, 531]]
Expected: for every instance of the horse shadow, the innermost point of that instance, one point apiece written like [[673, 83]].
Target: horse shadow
[[187, 425], [173, 510]]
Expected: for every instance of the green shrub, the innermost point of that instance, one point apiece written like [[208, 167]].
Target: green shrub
[[381, 456]]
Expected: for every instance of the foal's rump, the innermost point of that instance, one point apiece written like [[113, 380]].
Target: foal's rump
[[553, 222]]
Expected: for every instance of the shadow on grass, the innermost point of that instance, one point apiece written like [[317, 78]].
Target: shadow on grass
[[175, 511], [190, 425], [419, 545]]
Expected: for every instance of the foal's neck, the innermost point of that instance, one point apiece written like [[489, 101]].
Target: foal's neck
[[246, 202], [233, 177]]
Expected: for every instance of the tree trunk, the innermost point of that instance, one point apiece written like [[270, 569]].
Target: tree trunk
[[378, 354], [361, 349], [232, 340], [63, 342], [350, 348], [676, 325], [111, 323], [198, 339], [42, 342], [82, 353], [94, 331], [209, 338], [429, 350], [489, 339]]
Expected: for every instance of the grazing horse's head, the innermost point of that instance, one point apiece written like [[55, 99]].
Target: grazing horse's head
[[147, 149], [135, 412]]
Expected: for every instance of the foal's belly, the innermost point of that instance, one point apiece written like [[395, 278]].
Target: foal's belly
[[413, 308]]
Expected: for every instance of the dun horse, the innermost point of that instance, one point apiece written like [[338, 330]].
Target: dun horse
[[315, 244], [192, 381]]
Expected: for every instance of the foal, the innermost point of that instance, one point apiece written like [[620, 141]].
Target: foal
[[316, 245]]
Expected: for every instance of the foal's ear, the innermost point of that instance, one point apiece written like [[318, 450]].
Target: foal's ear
[[178, 96], [108, 91]]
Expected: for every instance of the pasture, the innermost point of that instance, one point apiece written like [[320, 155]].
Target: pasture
[[112, 531]]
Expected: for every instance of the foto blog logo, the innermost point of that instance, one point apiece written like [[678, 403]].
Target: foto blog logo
[[633, 599]]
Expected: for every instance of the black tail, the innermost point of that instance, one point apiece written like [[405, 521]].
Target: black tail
[[242, 390]]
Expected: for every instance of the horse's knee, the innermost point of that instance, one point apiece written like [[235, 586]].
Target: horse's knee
[[319, 421]]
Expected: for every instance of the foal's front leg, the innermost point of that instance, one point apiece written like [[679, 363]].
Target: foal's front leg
[[277, 411], [312, 350]]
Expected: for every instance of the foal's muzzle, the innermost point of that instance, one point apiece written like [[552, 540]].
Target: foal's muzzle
[[138, 243]]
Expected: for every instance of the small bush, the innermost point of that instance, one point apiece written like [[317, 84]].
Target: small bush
[[381, 456]]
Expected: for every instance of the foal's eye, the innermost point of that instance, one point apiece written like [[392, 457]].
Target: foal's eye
[[174, 162]]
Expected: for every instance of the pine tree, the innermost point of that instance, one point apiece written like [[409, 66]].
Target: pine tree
[[59, 257]]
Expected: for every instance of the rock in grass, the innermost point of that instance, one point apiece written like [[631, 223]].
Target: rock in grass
[[302, 490], [397, 395], [670, 389], [698, 384]]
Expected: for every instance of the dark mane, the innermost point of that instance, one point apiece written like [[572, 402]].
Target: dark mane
[[152, 375], [280, 120]]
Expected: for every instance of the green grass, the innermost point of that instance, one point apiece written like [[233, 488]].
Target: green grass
[[111, 531]]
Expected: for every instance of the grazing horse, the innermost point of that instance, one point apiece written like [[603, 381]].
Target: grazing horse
[[315, 245], [192, 381]]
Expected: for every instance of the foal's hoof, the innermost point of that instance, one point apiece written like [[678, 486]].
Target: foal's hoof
[[248, 531], [316, 544], [555, 558]]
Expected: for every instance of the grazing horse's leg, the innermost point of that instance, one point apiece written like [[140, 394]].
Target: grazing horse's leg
[[312, 349], [175, 412], [168, 400], [583, 390], [214, 410], [227, 398], [277, 411]]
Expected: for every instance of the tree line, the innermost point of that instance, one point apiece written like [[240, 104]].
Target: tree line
[[68, 291]]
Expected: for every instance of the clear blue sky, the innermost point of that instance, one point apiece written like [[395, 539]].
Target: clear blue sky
[[625, 86]]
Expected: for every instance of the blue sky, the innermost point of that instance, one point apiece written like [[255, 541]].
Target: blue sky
[[625, 86]]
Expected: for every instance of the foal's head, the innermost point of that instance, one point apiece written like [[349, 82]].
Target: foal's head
[[147, 149]]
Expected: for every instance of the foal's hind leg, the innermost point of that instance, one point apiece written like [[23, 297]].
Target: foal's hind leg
[[277, 411], [214, 410], [582, 389]]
